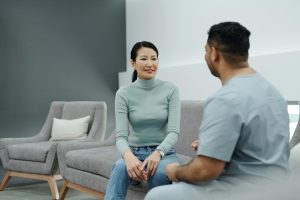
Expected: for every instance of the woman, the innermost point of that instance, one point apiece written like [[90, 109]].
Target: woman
[[152, 108]]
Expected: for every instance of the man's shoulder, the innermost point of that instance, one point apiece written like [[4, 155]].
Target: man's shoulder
[[225, 94]]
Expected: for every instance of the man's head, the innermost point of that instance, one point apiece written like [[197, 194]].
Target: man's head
[[231, 40]]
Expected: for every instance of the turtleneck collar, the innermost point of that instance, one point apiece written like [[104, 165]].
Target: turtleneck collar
[[146, 83]]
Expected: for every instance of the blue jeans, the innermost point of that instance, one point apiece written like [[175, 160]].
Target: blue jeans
[[119, 180]]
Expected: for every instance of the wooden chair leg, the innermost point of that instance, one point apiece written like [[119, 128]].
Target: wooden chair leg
[[50, 178], [64, 191], [5, 180], [68, 185], [53, 187]]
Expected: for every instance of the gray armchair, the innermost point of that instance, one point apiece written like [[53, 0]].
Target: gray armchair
[[36, 157], [87, 167]]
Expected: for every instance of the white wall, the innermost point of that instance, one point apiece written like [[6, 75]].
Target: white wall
[[195, 81], [179, 29]]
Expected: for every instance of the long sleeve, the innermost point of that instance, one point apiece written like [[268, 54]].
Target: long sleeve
[[173, 126], [152, 109], [121, 112]]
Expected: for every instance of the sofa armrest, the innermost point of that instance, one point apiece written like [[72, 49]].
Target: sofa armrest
[[64, 147]]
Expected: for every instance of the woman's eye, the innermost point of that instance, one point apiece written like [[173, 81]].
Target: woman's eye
[[143, 59]]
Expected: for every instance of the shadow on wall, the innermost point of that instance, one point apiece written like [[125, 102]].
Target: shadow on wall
[[57, 50]]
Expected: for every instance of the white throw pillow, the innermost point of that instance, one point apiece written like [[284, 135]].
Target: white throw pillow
[[63, 129]]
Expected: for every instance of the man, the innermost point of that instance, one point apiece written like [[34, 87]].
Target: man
[[244, 135]]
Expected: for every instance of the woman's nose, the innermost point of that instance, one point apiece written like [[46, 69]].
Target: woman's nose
[[149, 63]]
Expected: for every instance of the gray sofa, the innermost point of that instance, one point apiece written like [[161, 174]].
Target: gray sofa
[[87, 167], [35, 157]]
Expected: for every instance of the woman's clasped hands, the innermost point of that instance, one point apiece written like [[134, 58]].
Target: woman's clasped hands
[[138, 170]]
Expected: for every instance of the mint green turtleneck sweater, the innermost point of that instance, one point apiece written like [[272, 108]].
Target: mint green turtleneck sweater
[[147, 114]]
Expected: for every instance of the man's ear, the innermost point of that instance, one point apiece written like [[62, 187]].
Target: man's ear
[[214, 54]]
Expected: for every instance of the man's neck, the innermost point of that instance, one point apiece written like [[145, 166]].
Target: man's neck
[[229, 71]]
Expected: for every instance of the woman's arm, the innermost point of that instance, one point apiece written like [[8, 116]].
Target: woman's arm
[[173, 127], [121, 113], [133, 164]]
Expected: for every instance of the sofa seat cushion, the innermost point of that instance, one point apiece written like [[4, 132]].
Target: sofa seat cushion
[[96, 160], [36, 152], [183, 159], [100, 160]]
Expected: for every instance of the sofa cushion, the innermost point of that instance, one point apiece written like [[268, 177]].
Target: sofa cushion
[[183, 159], [100, 160], [190, 121], [96, 160], [29, 151]]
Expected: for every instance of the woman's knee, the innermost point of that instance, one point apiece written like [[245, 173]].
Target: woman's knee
[[119, 165], [159, 178]]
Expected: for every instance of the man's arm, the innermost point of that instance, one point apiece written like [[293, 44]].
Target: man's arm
[[200, 169]]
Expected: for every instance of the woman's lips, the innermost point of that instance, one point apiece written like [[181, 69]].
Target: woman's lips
[[150, 71]]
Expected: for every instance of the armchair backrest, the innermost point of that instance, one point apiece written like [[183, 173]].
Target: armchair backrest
[[76, 109], [191, 117], [97, 112]]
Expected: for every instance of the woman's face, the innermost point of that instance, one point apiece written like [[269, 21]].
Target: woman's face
[[146, 63]]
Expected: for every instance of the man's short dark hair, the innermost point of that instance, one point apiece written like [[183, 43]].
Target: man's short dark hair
[[232, 39]]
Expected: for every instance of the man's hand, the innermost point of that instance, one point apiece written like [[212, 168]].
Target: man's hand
[[134, 166], [194, 145], [199, 169], [150, 164], [171, 171]]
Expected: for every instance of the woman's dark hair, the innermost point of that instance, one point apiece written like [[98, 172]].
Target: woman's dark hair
[[134, 51]]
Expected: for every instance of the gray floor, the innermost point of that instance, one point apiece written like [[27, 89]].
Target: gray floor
[[26, 189]]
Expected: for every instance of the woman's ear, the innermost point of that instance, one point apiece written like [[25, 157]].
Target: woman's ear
[[131, 62]]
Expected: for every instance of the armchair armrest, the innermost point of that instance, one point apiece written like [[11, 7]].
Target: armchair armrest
[[5, 142]]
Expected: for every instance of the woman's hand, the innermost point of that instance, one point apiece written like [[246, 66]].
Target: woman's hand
[[151, 163], [194, 145], [134, 167]]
